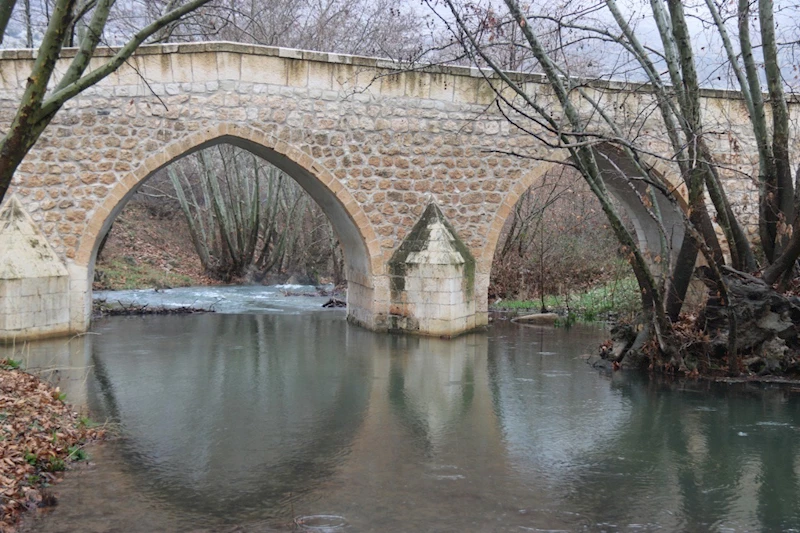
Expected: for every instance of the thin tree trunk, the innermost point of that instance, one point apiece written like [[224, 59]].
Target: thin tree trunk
[[6, 10], [200, 246], [783, 205], [28, 25]]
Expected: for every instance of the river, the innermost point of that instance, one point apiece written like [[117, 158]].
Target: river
[[274, 414]]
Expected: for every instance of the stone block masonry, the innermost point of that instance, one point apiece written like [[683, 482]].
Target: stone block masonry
[[432, 280], [373, 144], [34, 283]]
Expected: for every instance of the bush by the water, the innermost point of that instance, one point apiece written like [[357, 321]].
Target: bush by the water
[[618, 299]]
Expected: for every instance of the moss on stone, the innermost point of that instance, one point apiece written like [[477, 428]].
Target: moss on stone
[[417, 240]]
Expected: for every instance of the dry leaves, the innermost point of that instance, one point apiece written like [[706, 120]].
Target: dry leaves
[[37, 432]]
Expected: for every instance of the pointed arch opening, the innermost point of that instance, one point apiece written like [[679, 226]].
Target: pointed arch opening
[[658, 225], [349, 223]]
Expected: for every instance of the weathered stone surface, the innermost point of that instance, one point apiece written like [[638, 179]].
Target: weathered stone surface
[[371, 143], [34, 283], [432, 276], [26, 253]]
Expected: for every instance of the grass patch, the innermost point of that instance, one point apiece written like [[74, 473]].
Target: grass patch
[[10, 364], [55, 464], [620, 297], [77, 453], [127, 273], [86, 422]]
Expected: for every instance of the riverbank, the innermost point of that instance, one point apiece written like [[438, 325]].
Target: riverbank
[[40, 435], [148, 250], [607, 302]]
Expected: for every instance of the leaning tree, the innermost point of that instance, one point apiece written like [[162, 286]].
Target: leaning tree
[[45, 93], [747, 278]]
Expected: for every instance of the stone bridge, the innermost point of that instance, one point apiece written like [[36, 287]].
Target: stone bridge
[[411, 167]]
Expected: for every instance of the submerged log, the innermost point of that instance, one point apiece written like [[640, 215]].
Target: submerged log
[[102, 309], [544, 319]]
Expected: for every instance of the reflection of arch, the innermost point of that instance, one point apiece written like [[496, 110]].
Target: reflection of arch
[[358, 240], [292, 448], [615, 167]]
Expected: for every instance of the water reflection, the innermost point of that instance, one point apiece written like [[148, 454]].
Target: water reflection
[[255, 419], [551, 415], [65, 363], [631, 451], [233, 411], [432, 386], [702, 457]]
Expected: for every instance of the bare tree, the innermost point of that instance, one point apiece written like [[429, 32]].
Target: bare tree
[[555, 237], [581, 121], [247, 219], [388, 28]]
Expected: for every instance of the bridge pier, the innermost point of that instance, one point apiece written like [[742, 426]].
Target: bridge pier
[[432, 286], [432, 289]]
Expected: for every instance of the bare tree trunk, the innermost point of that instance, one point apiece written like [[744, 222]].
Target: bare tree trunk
[[28, 25], [6, 10], [780, 205]]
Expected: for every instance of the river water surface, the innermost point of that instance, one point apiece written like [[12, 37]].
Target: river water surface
[[274, 414]]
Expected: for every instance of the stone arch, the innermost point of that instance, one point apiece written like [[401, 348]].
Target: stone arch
[[506, 207], [359, 242], [646, 228], [362, 254], [668, 172]]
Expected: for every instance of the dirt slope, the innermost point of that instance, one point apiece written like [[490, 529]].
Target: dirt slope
[[147, 249]]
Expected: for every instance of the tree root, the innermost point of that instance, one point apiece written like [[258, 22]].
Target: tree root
[[755, 334]]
